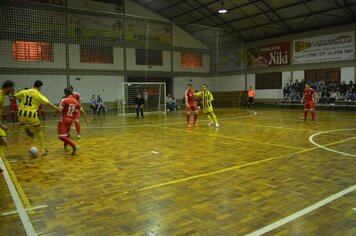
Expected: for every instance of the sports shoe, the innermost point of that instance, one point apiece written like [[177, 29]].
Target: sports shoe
[[1, 170], [78, 136], [217, 125], [196, 124], [189, 126], [29, 132], [75, 149], [210, 123]]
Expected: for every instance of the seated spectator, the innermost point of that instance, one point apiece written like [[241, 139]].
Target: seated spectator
[[93, 104], [169, 102]]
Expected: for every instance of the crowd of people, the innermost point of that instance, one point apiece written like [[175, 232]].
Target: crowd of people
[[328, 91]]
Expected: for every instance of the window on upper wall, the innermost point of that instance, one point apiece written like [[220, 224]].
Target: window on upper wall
[[149, 57], [269, 80], [96, 54], [191, 60], [32, 51]]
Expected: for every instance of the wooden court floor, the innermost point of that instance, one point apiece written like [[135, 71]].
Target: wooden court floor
[[154, 176]]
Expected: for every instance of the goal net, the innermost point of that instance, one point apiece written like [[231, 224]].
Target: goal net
[[153, 94]]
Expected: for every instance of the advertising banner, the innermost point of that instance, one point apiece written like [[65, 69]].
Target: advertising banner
[[269, 55], [326, 48]]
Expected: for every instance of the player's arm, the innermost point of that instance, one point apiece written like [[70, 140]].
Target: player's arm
[[211, 98], [46, 101], [198, 94], [315, 95], [302, 99], [19, 94], [186, 100], [84, 114]]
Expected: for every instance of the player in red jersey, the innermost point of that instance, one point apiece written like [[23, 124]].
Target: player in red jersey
[[13, 106], [190, 105], [77, 115], [69, 107], [310, 98]]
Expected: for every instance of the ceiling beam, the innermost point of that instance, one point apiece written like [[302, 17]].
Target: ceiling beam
[[192, 10], [276, 9], [295, 17]]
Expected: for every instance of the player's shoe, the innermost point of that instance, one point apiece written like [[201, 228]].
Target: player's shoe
[[78, 136], [217, 125], [210, 123], [196, 124], [75, 149], [29, 132], [1, 170], [44, 152], [189, 126]]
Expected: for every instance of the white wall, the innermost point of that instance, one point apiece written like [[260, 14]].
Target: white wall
[[108, 87], [347, 74], [181, 84], [299, 75], [52, 88], [230, 83]]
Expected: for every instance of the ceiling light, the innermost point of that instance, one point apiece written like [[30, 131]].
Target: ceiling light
[[222, 9]]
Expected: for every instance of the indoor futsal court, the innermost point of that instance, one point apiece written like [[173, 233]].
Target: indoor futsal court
[[271, 152]]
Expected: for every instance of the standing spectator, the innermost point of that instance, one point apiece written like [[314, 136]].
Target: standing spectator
[[250, 97], [310, 98], [190, 105], [286, 91], [139, 101], [206, 99], [6, 88]]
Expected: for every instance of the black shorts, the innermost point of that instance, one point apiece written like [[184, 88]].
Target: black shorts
[[250, 99]]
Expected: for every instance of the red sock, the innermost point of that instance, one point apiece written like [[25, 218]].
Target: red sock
[[305, 115], [313, 115], [66, 140], [195, 118], [188, 118], [77, 127], [43, 115]]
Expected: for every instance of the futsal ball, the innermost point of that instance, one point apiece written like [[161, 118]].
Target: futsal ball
[[33, 152]]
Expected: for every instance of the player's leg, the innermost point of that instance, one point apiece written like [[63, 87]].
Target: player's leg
[[137, 112], [187, 109], [63, 134], [77, 124], [306, 109], [312, 108], [214, 119], [141, 111], [209, 119], [3, 143], [195, 109]]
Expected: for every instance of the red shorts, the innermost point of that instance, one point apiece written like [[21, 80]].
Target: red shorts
[[64, 126], [192, 107], [309, 105], [41, 107], [13, 108]]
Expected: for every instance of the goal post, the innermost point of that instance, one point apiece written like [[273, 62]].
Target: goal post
[[153, 93]]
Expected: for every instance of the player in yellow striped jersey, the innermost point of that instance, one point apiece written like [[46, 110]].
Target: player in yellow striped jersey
[[7, 87], [27, 114], [207, 98]]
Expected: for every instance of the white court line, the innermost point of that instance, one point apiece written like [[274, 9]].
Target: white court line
[[27, 209], [311, 139], [18, 203], [154, 152], [302, 212], [252, 113]]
